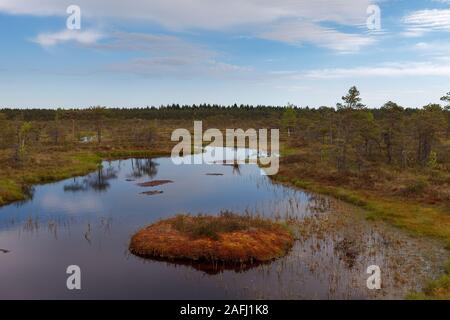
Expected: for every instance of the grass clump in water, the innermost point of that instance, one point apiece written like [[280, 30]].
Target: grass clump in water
[[210, 227], [227, 238]]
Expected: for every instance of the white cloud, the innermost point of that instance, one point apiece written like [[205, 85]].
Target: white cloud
[[417, 69], [179, 66], [82, 37], [86, 204], [298, 32], [250, 17], [201, 13], [433, 48], [154, 44], [160, 55], [424, 21], [164, 55]]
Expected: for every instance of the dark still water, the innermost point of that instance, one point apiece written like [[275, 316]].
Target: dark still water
[[88, 221]]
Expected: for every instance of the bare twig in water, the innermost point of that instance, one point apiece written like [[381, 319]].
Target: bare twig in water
[[151, 193], [87, 235]]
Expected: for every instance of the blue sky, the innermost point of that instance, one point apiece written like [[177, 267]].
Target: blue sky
[[150, 52]]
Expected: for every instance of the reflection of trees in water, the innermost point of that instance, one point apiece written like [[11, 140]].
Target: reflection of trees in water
[[141, 167], [236, 168], [101, 183], [28, 192], [98, 181], [235, 165]]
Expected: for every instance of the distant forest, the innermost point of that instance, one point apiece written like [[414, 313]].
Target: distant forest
[[350, 135], [174, 112]]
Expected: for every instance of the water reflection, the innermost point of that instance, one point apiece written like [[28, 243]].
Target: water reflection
[[209, 268], [99, 181], [236, 168], [28, 192], [89, 221], [143, 167]]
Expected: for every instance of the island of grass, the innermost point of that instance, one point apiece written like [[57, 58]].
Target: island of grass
[[228, 238]]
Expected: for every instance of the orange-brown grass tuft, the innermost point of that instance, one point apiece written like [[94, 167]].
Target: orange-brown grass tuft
[[154, 183], [227, 238]]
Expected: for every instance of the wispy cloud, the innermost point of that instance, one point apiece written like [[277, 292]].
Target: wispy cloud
[[154, 44], [423, 21], [432, 48], [180, 67], [416, 69], [200, 13], [82, 37], [265, 18], [160, 55], [165, 56], [300, 32]]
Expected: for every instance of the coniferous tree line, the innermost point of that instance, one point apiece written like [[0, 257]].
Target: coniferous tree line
[[349, 135], [354, 136]]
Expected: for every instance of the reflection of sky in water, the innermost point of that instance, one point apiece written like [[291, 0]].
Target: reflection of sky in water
[[88, 221], [52, 203], [110, 192]]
